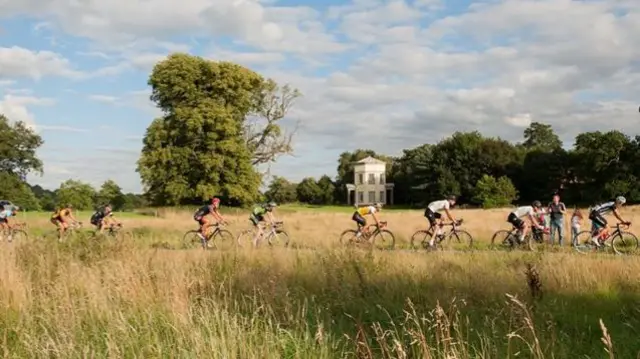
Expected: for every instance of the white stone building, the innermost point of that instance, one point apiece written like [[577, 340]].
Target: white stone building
[[369, 183]]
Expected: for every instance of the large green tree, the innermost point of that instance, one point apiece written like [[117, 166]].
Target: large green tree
[[281, 190], [210, 137], [76, 193]]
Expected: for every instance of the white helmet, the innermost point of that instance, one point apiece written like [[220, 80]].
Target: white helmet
[[377, 205], [621, 200]]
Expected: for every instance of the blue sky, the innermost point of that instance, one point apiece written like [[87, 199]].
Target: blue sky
[[385, 75]]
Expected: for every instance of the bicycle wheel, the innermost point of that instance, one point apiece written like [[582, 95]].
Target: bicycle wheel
[[191, 239], [384, 240], [420, 239], [584, 244], [625, 243], [222, 239], [461, 237], [502, 239], [348, 237], [278, 238], [245, 238]]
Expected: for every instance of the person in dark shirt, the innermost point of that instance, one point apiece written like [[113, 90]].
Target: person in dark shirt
[[557, 210]]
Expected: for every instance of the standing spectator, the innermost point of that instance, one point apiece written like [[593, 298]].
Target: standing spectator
[[576, 219], [556, 211]]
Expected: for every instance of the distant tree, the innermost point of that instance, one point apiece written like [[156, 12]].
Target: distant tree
[[541, 136], [327, 190], [18, 145], [492, 193], [281, 191], [18, 192], [308, 191], [79, 194], [111, 193]]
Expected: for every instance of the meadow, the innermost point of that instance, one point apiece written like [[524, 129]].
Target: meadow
[[147, 298]]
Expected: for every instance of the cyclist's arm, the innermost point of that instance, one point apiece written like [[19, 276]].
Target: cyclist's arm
[[217, 216], [446, 210], [533, 220], [618, 216], [375, 218], [72, 217], [271, 217]]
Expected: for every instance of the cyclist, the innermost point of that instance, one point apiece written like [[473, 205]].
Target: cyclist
[[358, 217], [599, 223], [257, 216], [212, 208], [432, 213], [102, 217], [62, 217], [5, 214], [532, 212]]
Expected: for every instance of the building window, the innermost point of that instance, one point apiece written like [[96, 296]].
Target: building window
[[372, 178], [382, 178], [360, 178], [360, 196], [372, 196], [382, 197]]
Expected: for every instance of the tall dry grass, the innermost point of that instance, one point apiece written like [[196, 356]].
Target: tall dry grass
[[87, 298]]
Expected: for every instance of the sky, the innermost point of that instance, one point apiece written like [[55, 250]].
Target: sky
[[384, 75]]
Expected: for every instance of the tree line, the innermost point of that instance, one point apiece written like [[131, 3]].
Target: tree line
[[491, 172], [221, 128]]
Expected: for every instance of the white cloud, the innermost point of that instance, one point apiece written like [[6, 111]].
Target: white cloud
[[15, 108], [20, 62], [104, 99]]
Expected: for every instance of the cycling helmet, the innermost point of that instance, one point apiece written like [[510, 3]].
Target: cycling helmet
[[377, 205], [272, 205], [215, 200], [536, 204], [451, 198], [621, 200], [69, 205]]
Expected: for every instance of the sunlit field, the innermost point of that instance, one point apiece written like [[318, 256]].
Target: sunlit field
[[149, 298]]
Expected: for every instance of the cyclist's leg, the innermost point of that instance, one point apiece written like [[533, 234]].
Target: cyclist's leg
[[600, 225], [3, 228], [436, 222], [361, 222]]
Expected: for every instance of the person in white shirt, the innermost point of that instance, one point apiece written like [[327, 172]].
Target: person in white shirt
[[432, 213], [515, 218]]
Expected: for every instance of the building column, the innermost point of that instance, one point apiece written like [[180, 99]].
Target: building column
[[348, 196], [391, 195]]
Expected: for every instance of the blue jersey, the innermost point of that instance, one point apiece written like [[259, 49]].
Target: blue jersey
[[604, 208]]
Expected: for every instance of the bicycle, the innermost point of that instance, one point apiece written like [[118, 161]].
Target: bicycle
[[218, 235], [620, 241], [460, 235], [114, 231], [274, 233], [16, 231], [71, 230], [510, 239], [370, 237]]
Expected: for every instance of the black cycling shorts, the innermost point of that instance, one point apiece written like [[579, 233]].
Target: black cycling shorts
[[515, 221], [432, 216], [359, 219], [597, 220]]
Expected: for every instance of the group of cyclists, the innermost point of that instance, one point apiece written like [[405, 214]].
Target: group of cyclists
[[523, 218], [534, 213], [62, 217]]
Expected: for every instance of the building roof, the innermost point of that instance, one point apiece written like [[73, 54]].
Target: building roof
[[370, 160]]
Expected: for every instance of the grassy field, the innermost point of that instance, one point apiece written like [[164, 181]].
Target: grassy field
[[142, 298]]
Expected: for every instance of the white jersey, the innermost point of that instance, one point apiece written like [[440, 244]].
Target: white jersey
[[524, 211], [438, 206]]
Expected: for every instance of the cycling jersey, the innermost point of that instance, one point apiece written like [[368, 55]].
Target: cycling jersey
[[604, 208], [65, 212], [438, 206], [6, 214], [363, 211], [202, 211], [259, 211], [524, 211]]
